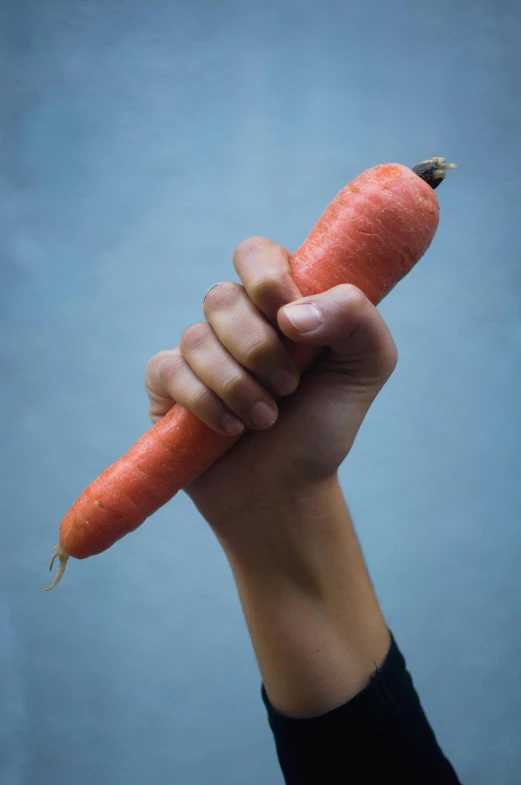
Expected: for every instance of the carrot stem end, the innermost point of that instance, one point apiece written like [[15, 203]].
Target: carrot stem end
[[433, 170]]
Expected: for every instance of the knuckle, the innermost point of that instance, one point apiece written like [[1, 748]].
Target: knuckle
[[353, 296], [167, 368], [267, 284], [221, 295], [201, 397], [194, 336], [258, 348], [389, 355], [252, 245], [231, 385], [265, 268], [154, 363]]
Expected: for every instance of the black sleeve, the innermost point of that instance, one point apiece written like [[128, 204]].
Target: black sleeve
[[380, 736]]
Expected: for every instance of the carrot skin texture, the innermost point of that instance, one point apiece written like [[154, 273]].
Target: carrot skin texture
[[371, 235], [172, 453]]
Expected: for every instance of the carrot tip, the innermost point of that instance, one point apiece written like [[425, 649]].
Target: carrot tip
[[63, 557]]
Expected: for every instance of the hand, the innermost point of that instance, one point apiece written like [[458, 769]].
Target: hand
[[227, 364]]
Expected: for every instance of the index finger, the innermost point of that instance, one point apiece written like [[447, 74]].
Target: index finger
[[264, 270]]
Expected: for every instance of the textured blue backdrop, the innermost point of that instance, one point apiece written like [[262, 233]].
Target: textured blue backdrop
[[141, 143]]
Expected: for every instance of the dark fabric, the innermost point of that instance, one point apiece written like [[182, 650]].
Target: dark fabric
[[380, 736]]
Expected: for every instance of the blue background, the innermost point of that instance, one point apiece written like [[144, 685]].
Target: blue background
[[141, 143]]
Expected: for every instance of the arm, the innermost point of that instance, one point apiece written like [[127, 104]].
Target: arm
[[340, 701], [312, 614]]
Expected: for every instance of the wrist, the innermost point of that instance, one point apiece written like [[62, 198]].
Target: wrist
[[305, 544], [290, 522]]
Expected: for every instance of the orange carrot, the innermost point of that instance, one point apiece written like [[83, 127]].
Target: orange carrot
[[371, 235]]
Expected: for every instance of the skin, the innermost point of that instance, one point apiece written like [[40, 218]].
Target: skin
[[274, 500]]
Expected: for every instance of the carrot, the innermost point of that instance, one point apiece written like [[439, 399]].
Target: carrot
[[371, 235]]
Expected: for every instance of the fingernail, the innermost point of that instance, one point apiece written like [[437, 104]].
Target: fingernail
[[262, 415], [232, 425], [285, 382], [304, 317]]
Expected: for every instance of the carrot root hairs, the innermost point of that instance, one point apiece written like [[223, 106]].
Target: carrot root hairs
[[63, 557]]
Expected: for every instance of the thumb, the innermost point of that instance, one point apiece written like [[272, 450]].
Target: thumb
[[345, 321]]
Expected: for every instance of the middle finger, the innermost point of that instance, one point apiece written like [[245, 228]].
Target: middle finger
[[249, 337]]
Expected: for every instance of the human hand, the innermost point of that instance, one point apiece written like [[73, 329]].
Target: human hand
[[226, 364]]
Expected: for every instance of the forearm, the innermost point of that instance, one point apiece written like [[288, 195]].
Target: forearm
[[312, 614]]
